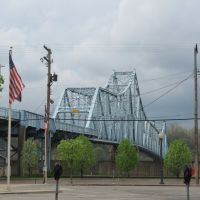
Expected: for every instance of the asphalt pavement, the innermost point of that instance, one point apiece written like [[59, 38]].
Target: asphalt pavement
[[21, 185]]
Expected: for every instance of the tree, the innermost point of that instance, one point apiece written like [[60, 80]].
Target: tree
[[1, 82], [68, 152], [176, 132], [127, 156], [177, 156], [30, 155], [86, 157]]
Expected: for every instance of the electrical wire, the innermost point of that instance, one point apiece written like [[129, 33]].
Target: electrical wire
[[106, 46], [176, 85], [155, 90], [171, 116], [38, 107], [123, 120], [164, 77], [168, 91]]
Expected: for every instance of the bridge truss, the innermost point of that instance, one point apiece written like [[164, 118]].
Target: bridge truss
[[114, 112]]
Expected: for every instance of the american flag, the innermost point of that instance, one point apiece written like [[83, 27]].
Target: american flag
[[45, 119], [16, 85]]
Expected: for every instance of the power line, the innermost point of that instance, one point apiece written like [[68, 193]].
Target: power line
[[122, 120], [170, 116], [168, 91], [113, 120], [177, 84], [155, 90], [38, 107], [106, 46], [164, 77], [106, 43]]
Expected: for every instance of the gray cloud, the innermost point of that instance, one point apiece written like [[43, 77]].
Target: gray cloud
[[91, 38]]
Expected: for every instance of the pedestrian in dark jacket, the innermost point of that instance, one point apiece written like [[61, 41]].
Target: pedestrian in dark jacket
[[187, 174], [57, 171]]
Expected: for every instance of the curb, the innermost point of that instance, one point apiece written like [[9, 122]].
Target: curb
[[28, 192], [153, 185]]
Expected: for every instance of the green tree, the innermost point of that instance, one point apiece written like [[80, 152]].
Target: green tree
[[177, 156], [68, 152], [176, 132], [30, 155], [127, 156], [86, 157], [1, 82]]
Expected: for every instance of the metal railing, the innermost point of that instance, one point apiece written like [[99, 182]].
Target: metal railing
[[30, 119]]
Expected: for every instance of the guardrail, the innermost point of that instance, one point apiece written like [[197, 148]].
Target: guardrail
[[14, 113], [30, 119]]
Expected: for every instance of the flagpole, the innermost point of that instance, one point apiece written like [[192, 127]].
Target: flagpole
[[45, 156], [9, 138], [15, 88]]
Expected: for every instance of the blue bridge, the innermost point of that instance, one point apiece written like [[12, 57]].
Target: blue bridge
[[105, 115]]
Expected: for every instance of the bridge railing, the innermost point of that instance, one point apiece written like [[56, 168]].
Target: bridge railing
[[30, 119], [74, 128], [15, 114]]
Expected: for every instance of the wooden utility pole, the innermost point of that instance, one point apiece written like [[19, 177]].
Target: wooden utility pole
[[48, 59], [196, 117]]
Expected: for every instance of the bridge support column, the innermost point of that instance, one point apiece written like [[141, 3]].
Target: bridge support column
[[112, 151], [21, 140]]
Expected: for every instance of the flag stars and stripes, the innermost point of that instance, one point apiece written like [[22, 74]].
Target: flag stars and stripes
[[16, 85]]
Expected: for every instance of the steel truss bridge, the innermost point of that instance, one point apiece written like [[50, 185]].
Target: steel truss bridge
[[105, 115], [114, 112]]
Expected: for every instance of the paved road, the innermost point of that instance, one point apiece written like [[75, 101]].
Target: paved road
[[113, 193]]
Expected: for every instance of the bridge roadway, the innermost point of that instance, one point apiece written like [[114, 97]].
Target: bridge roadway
[[30, 119]]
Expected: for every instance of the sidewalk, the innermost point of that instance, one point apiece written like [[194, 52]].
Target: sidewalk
[[36, 186], [26, 188], [125, 181]]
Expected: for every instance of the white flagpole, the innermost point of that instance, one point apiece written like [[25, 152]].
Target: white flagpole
[[9, 137]]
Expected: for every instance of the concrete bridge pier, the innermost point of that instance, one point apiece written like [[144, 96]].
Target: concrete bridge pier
[[21, 140]]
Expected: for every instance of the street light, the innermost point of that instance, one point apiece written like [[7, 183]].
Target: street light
[[161, 136]]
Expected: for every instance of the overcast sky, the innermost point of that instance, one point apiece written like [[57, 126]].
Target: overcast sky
[[91, 38]]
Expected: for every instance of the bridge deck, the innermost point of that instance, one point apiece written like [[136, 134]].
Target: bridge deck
[[29, 119]]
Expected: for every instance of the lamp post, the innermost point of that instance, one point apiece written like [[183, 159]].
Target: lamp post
[[161, 136]]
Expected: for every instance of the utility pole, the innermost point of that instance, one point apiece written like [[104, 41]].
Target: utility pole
[[196, 117], [46, 136], [50, 79]]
